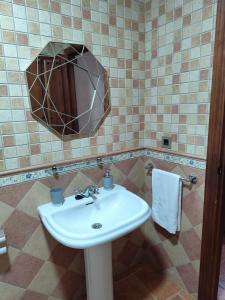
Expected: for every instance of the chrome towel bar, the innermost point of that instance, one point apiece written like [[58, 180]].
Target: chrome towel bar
[[189, 179]]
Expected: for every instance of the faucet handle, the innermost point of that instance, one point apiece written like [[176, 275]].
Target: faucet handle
[[78, 194], [96, 189]]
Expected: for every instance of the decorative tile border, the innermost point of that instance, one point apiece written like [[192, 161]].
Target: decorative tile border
[[88, 164], [177, 159]]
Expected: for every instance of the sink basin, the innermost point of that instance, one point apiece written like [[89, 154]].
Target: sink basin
[[92, 225], [86, 223]]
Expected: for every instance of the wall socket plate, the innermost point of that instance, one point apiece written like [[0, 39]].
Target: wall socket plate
[[166, 142]]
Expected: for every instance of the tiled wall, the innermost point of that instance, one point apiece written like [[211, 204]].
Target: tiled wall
[[37, 267], [179, 47], [159, 57], [113, 30]]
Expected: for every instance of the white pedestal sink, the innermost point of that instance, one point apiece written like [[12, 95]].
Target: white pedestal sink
[[91, 226]]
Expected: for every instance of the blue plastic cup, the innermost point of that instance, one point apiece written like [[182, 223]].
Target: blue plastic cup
[[57, 197]]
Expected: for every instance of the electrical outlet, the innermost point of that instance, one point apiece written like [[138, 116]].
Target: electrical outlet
[[166, 142]]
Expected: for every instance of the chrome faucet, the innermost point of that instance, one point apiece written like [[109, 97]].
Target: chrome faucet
[[89, 191]]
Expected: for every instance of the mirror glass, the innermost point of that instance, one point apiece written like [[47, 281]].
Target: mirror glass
[[68, 89]]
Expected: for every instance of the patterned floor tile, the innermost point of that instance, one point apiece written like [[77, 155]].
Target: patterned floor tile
[[189, 276], [147, 285], [185, 296], [162, 257], [176, 253], [177, 297], [191, 243], [193, 208], [71, 285], [64, 260], [28, 265], [131, 288], [47, 278], [8, 291], [29, 295]]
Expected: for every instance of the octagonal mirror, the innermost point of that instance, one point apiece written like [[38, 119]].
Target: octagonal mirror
[[68, 90]]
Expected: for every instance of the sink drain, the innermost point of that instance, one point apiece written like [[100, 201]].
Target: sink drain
[[96, 225]]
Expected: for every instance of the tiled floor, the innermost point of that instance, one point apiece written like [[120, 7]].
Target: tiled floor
[[147, 285]]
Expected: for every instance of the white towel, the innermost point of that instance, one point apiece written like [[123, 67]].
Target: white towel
[[166, 199]]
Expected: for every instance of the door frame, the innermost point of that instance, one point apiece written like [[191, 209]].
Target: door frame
[[214, 207]]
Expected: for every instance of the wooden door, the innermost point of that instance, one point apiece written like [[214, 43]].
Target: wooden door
[[214, 208]]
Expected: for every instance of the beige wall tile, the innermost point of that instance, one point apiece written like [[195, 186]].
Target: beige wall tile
[[137, 175], [5, 212], [31, 24], [32, 199], [80, 181], [194, 37]]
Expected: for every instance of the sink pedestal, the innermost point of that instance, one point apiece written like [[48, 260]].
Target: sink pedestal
[[98, 268]]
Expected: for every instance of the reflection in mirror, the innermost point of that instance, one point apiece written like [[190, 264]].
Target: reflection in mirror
[[68, 89]]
